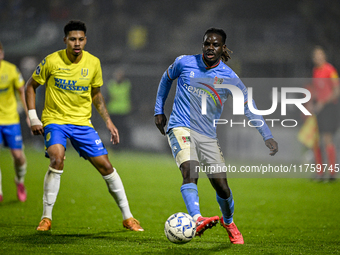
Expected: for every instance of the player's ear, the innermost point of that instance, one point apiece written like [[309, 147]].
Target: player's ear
[[65, 40], [224, 47]]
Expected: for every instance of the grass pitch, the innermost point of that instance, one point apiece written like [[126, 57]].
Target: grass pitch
[[275, 216]]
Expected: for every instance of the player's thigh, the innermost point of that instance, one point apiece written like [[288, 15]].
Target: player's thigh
[[87, 142], [11, 135], [182, 147]]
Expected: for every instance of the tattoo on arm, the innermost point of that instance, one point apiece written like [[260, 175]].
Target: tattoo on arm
[[99, 103]]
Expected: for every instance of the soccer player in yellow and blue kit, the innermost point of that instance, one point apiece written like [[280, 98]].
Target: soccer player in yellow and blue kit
[[192, 135], [11, 81], [73, 78]]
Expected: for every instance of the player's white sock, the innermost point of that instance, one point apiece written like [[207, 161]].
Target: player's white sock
[[196, 216], [20, 172], [51, 189], [0, 182], [116, 189]]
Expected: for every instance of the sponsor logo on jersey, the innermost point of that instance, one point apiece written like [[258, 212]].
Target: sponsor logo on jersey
[[4, 90], [69, 85], [84, 72]]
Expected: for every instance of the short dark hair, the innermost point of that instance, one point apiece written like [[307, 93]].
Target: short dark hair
[[74, 25], [218, 31]]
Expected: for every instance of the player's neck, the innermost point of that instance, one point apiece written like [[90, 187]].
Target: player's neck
[[74, 59]]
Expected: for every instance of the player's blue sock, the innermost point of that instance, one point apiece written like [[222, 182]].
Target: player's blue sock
[[190, 196], [226, 207]]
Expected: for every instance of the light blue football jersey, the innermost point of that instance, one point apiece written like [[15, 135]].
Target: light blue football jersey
[[195, 78]]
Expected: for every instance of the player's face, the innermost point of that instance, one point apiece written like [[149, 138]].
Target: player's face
[[319, 57], [75, 42], [212, 48]]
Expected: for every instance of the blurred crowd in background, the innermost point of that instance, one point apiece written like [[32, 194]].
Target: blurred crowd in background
[[269, 39]]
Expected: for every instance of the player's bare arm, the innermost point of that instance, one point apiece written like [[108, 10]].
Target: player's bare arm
[[272, 145], [36, 125], [99, 103], [160, 121], [21, 92]]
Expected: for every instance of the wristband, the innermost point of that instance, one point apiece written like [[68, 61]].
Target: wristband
[[32, 114]]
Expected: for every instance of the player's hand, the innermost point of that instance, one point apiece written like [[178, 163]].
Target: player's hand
[[114, 132], [160, 121], [36, 127], [272, 145]]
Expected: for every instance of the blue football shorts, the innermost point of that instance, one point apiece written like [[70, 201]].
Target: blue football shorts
[[10, 136], [85, 140]]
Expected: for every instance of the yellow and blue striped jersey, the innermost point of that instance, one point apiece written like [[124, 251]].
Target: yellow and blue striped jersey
[[10, 79], [68, 87]]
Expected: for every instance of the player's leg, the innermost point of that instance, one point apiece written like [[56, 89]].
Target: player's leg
[[55, 142], [89, 145], [184, 152], [1, 141], [189, 188], [1, 195], [116, 189], [331, 153], [20, 172], [225, 199], [211, 152], [13, 140]]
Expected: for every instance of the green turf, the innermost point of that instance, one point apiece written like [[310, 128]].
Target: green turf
[[276, 216]]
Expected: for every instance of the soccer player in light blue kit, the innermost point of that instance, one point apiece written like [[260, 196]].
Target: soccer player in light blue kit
[[192, 135]]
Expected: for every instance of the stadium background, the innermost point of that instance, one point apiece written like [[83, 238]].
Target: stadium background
[[269, 39]]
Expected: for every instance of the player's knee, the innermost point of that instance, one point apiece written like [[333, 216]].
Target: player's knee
[[106, 168], [57, 162], [188, 175]]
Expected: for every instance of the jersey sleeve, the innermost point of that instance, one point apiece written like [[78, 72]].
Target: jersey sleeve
[[18, 81], [40, 75], [334, 76], [97, 80], [173, 72], [256, 120]]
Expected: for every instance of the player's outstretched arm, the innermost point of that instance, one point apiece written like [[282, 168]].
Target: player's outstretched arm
[[36, 125], [160, 121], [99, 103], [273, 146]]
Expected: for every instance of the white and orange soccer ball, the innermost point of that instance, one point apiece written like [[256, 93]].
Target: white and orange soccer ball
[[180, 228]]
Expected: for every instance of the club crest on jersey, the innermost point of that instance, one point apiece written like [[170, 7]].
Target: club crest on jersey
[[37, 71], [84, 72], [218, 80], [48, 136]]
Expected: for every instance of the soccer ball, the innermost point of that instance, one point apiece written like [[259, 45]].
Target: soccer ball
[[180, 228]]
